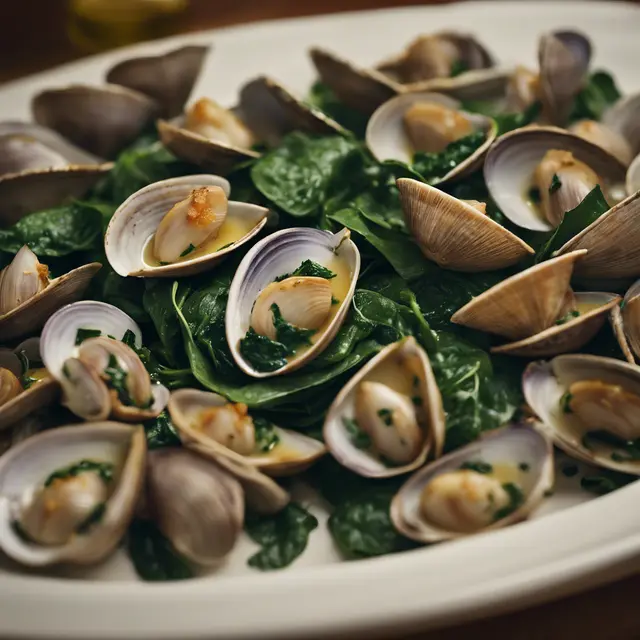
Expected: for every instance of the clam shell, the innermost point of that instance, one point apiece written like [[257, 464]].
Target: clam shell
[[454, 234], [524, 304], [299, 451], [362, 462], [544, 384], [480, 84], [102, 120], [632, 180], [623, 118], [387, 139], [516, 444], [34, 312], [137, 218], [510, 164], [282, 252], [567, 337], [38, 395], [612, 242], [625, 322], [30, 463], [58, 339], [167, 79], [359, 88]]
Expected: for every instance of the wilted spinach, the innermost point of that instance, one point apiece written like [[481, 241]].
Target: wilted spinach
[[599, 93]]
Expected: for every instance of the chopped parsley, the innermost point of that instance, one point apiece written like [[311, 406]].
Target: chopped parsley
[[516, 498], [93, 518], [524, 466], [569, 470], [334, 300], [116, 379], [311, 269], [625, 450], [103, 469], [266, 437], [565, 402], [226, 246], [477, 465], [190, 249], [85, 334], [129, 338], [387, 416], [555, 183], [358, 437], [534, 195], [568, 317]]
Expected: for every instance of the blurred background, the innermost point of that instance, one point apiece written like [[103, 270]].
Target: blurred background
[[39, 34]]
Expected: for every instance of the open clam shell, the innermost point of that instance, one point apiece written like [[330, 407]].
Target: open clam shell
[[404, 367], [102, 120], [612, 242], [632, 180], [454, 234], [509, 451], [358, 87], [167, 79], [625, 320], [568, 336], [292, 453], [622, 117], [279, 254], [136, 220], [524, 304], [387, 139], [25, 467], [33, 313], [511, 162], [546, 385]]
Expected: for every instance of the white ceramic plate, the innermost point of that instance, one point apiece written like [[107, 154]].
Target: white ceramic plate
[[573, 543]]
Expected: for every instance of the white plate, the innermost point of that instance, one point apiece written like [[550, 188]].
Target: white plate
[[565, 550]]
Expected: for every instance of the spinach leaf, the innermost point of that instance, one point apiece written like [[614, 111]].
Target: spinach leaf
[[289, 335], [85, 334], [263, 353], [434, 166], [161, 432], [297, 176], [153, 556], [324, 99], [125, 293], [510, 121], [103, 469], [311, 269], [575, 221], [59, 231], [283, 536], [605, 481], [266, 436], [599, 93]]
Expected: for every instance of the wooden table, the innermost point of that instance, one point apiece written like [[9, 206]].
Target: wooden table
[[34, 38]]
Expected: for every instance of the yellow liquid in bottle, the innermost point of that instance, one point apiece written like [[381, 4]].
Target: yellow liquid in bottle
[[103, 24]]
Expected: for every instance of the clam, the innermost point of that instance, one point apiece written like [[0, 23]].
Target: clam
[[606, 137], [522, 90], [625, 320], [537, 310], [100, 375], [217, 139], [24, 386], [40, 169], [284, 272], [209, 421], [167, 79], [67, 495], [197, 505], [456, 234], [632, 181], [427, 123], [530, 158], [102, 120], [388, 418], [179, 227], [491, 483], [564, 58], [590, 406], [28, 296], [622, 118]]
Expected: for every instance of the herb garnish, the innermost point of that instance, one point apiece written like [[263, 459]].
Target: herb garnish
[[188, 250], [358, 437], [266, 437], [458, 68], [569, 470], [568, 317], [263, 353], [387, 416], [103, 469], [309, 268], [289, 335], [524, 466], [625, 450], [565, 402], [93, 518], [556, 183], [516, 498], [478, 466], [85, 334]]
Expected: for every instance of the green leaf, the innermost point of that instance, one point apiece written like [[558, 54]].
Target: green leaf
[[161, 432], [263, 353], [57, 232], [297, 176], [283, 536], [153, 556], [575, 221], [510, 121], [605, 481], [324, 99], [309, 268], [599, 93], [287, 334]]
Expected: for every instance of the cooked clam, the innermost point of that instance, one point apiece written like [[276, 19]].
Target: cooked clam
[[280, 272], [492, 483], [622, 118], [167, 79], [525, 156], [607, 138], [632, 180], [428, 123], [67, 495], [523, 89], [456, 234], [590, 406], [207, 420], [625, 320], [537, 311], [28, 296], [100, 375], [179, 227], [388, 418], [217, 139], [102, 120]]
